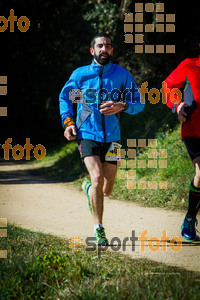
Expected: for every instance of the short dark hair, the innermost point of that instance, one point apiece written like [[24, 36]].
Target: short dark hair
[[101, 34]]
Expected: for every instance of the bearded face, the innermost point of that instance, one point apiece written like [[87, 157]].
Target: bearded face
[[102, 51], [102, 58]]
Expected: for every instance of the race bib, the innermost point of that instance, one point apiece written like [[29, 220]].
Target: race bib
[[113, 153]]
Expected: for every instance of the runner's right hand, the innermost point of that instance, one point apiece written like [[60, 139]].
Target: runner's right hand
[[70, 133], [181, 112]]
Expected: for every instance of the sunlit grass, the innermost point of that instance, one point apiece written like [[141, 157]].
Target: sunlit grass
[[41, 266]]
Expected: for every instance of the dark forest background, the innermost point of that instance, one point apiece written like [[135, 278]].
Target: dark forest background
[[40, 61]]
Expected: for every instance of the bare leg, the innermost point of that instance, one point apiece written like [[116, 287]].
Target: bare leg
[[94, 166], [109, 172]]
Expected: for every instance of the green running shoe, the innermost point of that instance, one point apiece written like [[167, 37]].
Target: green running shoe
[[85, 187], [100, 237]]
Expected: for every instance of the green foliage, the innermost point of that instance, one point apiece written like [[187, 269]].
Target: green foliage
[[179, 170], [102, 17], [62, 163], [46, 268]]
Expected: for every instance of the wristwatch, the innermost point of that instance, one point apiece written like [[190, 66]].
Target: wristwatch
[[125, 104]]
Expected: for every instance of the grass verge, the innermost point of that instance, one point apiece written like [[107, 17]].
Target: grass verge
[[65, 164], [41, 266], [177, 173]]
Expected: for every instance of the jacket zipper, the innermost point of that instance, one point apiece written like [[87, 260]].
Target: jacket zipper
[[101, 99]]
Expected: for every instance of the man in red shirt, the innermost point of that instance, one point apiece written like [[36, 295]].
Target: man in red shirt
[[188, 74]]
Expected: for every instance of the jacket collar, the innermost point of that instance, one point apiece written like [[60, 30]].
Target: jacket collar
[[97, 68]]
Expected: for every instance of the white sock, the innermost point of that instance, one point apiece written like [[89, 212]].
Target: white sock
[[97, 226]]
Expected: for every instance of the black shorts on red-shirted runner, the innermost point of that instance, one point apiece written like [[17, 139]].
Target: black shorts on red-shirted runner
[[192, 145]]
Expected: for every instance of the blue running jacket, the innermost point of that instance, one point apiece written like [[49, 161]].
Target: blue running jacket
[[88, 86]]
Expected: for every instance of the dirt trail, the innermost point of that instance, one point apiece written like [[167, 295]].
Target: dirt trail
[[40, 204]]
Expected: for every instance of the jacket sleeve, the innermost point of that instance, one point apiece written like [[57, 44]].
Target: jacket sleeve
[[132, 96], [65, 103], [174, 81]]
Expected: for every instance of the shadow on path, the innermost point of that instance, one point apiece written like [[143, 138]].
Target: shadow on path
[[15, 172]]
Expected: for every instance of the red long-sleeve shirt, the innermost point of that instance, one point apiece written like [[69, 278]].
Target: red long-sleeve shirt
[[190, 69]]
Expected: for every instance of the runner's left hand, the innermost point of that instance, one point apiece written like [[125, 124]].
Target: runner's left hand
[[111, 107]]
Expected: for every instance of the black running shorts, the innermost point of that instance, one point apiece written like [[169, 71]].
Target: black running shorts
[[193, 146], [89, 148]]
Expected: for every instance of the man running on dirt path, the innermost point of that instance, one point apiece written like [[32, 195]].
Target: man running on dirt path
[[105, 89], [188, 74]]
